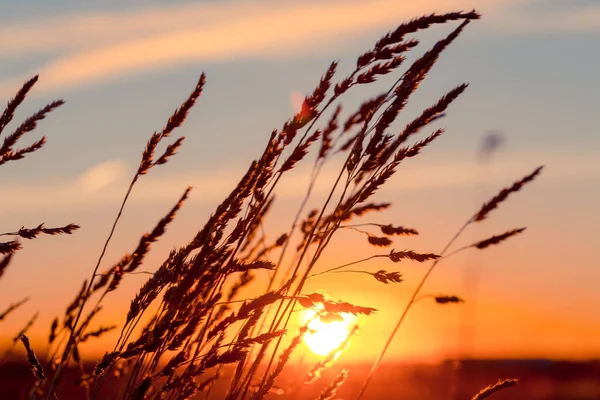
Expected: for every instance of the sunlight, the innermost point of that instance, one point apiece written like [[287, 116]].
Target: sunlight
[[324, 337]]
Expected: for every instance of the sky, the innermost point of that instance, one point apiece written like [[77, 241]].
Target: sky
[[123, 67]]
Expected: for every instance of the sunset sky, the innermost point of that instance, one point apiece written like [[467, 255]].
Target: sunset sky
[[124, 66]]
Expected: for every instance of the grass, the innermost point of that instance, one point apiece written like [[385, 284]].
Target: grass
[[189, 321]]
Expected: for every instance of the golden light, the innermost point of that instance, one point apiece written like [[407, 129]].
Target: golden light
[[324, 337]]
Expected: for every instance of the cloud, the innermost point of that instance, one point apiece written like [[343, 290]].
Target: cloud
[[92, 48], [101, 176], [97, 48], [99, 28], [96, 185], [103, 184]]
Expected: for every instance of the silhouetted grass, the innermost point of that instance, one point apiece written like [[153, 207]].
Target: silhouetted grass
[[187, 322]]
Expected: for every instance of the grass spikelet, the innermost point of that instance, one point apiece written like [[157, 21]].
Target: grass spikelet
[[8, 248], [245, 311], [334, 306], [36, 366], [6, 150], [311, 300], [397, 230], [497, 239], [34, 232], [490, 390], [260, 302], [389, 52], [387, 277], [421, 67], [38, 370], [315, 298], [181, 113], [415, 149], [343, 86], [344, 307], [376, 182], [430, 114], [379, 241], [448, 299], [169, 151], [53, 328], [421, 23], [20, 153], [148, 154], [176, 119], [504, 193], [299, 152], [397, 256], [324, 84], [229, 357], [14, 103], [330, 391], [241, 266], [410, 82], [308, 111], [116, 269], [262, 338], [379, 69]]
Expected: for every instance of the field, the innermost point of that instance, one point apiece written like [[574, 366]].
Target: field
[[540, 380]]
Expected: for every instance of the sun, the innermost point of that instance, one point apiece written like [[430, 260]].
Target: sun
[[324, 337]]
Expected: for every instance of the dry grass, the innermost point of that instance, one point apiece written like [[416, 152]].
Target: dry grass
[[490, 390], [197, 323]]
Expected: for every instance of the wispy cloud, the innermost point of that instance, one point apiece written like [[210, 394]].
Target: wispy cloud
[[86, 30], [106, 183], [101, 176], [94, 48]]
